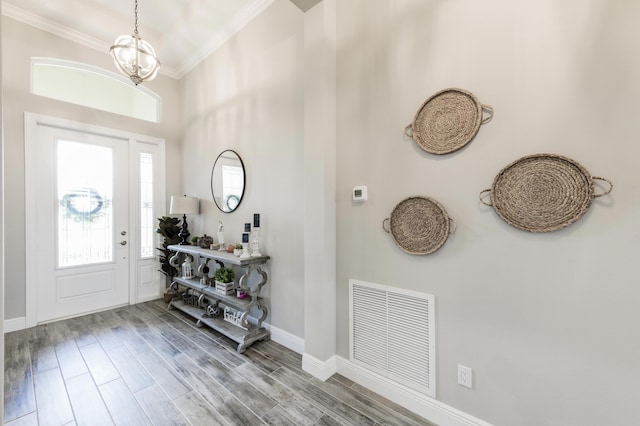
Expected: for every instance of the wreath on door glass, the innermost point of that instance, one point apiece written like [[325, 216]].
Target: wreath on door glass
[[83, 205], [232, 202]]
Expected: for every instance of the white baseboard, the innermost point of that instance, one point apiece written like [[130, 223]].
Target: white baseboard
[[423, 405], [15, 324], [148, 298], [317, 368], [286, 339]]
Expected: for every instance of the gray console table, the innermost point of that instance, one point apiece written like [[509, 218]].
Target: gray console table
[[224, 313]]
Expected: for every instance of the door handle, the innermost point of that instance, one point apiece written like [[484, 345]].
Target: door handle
[[123, 243]]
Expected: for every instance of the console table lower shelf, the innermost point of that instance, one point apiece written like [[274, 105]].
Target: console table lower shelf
[[243, 336]]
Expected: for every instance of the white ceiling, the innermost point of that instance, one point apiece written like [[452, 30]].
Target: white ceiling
[[183, 32]]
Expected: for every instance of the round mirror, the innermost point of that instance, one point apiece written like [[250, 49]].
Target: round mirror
[[227, 181]]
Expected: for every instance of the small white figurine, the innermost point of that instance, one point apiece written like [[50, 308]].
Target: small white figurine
[[221, 237]]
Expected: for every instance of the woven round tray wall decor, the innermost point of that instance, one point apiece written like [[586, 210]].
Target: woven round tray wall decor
[[447, 121], [419, 225], [542, 192]]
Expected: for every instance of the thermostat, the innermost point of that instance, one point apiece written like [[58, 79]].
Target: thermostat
[[359, 194]]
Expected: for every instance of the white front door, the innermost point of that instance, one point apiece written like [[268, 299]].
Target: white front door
[[81, 222]]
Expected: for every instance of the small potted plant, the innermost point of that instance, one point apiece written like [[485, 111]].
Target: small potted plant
[[237, 250], [223, 277], [168, 228]]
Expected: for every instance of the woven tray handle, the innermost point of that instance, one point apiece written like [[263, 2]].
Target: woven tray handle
[[489, 111], [385, 225], [604, 180], [408, 131], [453, 226], [483, 196]]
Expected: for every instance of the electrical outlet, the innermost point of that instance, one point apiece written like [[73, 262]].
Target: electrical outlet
[[465, 376]]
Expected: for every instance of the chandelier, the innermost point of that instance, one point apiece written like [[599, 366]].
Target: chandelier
[[134, 57]]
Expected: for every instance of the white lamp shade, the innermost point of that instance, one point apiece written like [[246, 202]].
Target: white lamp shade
[[184, 205]]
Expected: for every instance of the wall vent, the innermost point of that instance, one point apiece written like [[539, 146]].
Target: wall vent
[[392, 333]]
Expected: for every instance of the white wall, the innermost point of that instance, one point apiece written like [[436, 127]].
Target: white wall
[[1, 228], [248, 96], [19, 43], [549, 323]]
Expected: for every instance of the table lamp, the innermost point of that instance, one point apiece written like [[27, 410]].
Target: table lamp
[[184, 205]]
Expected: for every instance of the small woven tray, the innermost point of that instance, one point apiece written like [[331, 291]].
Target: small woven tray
[[447, 121], [542, 192], [419, 225]]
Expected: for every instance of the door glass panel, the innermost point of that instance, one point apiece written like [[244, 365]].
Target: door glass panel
[[146, 205], [85, 211]]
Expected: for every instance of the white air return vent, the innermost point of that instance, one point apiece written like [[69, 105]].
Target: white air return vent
[[392, 333]]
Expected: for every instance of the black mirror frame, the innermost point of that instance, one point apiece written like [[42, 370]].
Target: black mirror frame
[[244, 181]]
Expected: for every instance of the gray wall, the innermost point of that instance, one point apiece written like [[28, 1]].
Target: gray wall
[[19, 43], [547, 322], [248, 96]]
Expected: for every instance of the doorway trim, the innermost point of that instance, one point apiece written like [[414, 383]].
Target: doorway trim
[[134, 141]]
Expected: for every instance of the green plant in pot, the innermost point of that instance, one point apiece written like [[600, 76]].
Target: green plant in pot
[[224, 275], [168, 228]]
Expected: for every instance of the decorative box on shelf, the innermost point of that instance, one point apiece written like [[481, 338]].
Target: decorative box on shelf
[[225, 288]]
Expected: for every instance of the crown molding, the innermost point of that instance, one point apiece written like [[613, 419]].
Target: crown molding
[[63, 31], [242, 18], [238, 22], [49, 26]]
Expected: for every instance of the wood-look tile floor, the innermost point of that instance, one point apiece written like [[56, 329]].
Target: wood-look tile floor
[[145, 365]]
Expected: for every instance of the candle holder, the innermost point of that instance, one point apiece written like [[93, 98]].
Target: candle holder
[[245, 251], [255, 242], [245, 246]]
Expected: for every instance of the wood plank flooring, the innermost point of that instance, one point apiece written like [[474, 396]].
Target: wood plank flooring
[[145, 365]]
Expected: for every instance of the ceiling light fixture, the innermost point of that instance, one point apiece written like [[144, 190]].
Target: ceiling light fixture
[[134, 57]]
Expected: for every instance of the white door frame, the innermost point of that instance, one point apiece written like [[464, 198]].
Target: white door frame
[[135, 142]]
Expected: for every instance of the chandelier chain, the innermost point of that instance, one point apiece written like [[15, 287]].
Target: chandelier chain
[[136, 15]]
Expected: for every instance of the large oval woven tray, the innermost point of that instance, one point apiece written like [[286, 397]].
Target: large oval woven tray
[[542, 192], [447, 121], [419, 225]]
